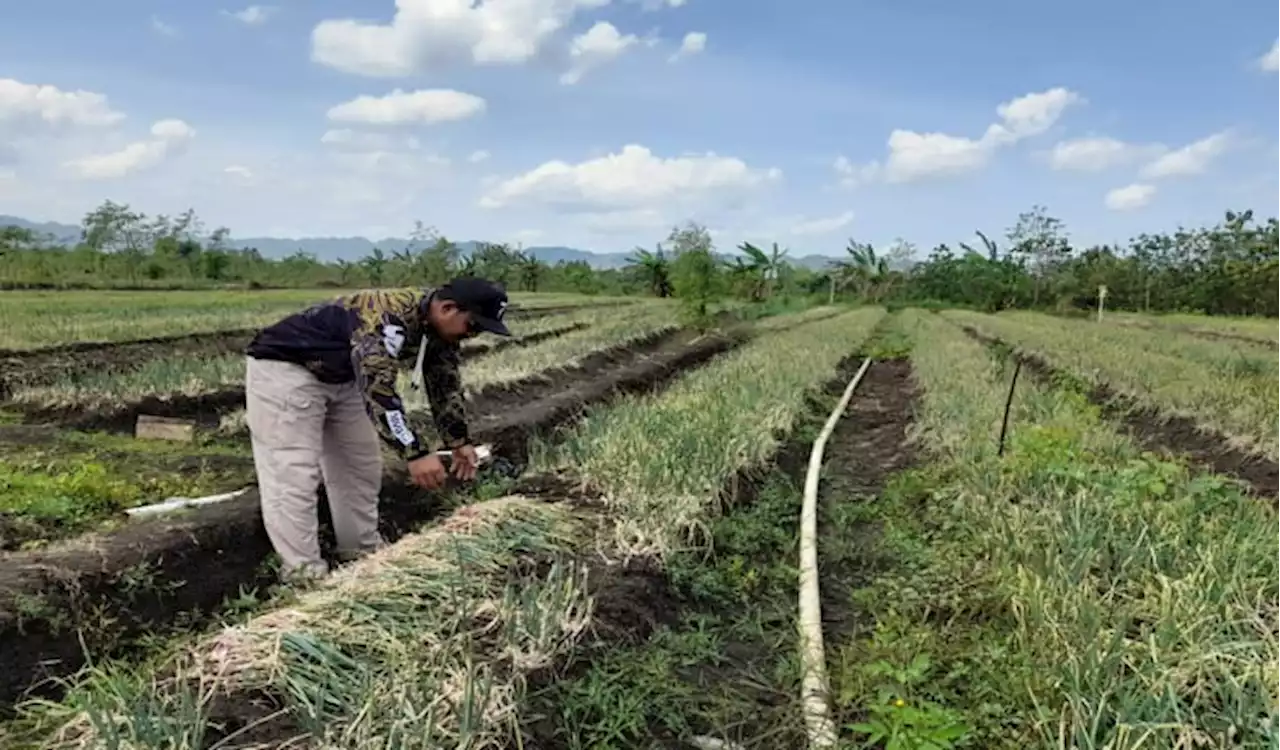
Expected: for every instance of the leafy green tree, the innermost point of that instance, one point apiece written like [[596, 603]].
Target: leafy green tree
[[1040, 242], [694, 272]]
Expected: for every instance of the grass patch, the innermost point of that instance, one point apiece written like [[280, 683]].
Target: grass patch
[[42, 319], [1225, 386], [661, 461], [1077, 593], [58, 484], [728, 669]]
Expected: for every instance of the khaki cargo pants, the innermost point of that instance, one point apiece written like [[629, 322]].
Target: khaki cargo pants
[[305, 431]]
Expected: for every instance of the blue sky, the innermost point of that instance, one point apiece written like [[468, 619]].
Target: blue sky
[[802, 123]]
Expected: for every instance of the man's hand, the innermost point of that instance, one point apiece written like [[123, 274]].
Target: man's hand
[[428, 472], [465, 462]]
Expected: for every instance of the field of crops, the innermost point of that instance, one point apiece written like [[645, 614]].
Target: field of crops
[[1103, 576]]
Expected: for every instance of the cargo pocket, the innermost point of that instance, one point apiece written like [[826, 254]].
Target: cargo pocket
[[281, 406]]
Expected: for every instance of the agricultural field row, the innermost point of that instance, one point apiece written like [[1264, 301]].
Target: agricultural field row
[[463, 684], [36, 320], [1263, 331], [196, 374], [61, 482], [638, 582], [1229, 387], [50, 582], [1076, 592]]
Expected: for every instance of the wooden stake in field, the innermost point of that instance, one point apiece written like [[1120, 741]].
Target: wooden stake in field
[[164, 428], [1102, 298]]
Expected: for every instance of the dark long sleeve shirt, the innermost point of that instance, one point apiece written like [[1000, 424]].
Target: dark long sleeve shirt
[[363, 338]]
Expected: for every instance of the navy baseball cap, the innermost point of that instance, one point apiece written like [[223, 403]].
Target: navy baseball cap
[[485, 300]]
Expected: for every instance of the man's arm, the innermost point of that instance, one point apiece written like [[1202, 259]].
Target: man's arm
[[373, 354], [442, 381]]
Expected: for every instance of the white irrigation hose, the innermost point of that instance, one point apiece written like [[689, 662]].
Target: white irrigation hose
[[483, 453], [815, 690], [177, 503]]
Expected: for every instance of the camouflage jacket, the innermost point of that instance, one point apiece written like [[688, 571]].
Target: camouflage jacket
[[362, 338]]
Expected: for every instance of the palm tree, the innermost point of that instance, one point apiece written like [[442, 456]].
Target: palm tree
[[654, 269], [467, 266], [530, 270], [776, 268], [375, 264], [745, 277], [863, 269], [992, 249]]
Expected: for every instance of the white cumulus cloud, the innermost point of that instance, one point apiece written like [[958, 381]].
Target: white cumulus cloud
[[173, 131], [634, 179], [1130, 197], [915, 155], [1091, 154], [425, 106], [695, 42], [852, 175], [1029, 115], [600, 44], [169, 137], [426, 34], [478, 156], [1271, 60], [33, 104], [1193, 158]]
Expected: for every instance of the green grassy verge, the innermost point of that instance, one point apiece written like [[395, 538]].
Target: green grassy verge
[[55, 484]]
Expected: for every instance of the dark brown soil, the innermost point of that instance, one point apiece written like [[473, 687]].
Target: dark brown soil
[[89, 587], [869, 445], [206, 409], [1168, 434], [20, 368]]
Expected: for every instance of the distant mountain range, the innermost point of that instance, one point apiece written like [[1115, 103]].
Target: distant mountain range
[[351, 248]]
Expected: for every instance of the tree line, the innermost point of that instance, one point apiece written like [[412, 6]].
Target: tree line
[[1226, 269]]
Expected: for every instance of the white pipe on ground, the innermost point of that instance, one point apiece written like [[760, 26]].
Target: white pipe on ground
[[483, 453], [177, 503], [815, 690]]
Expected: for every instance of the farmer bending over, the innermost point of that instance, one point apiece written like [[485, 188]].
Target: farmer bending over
[[318, 381]]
